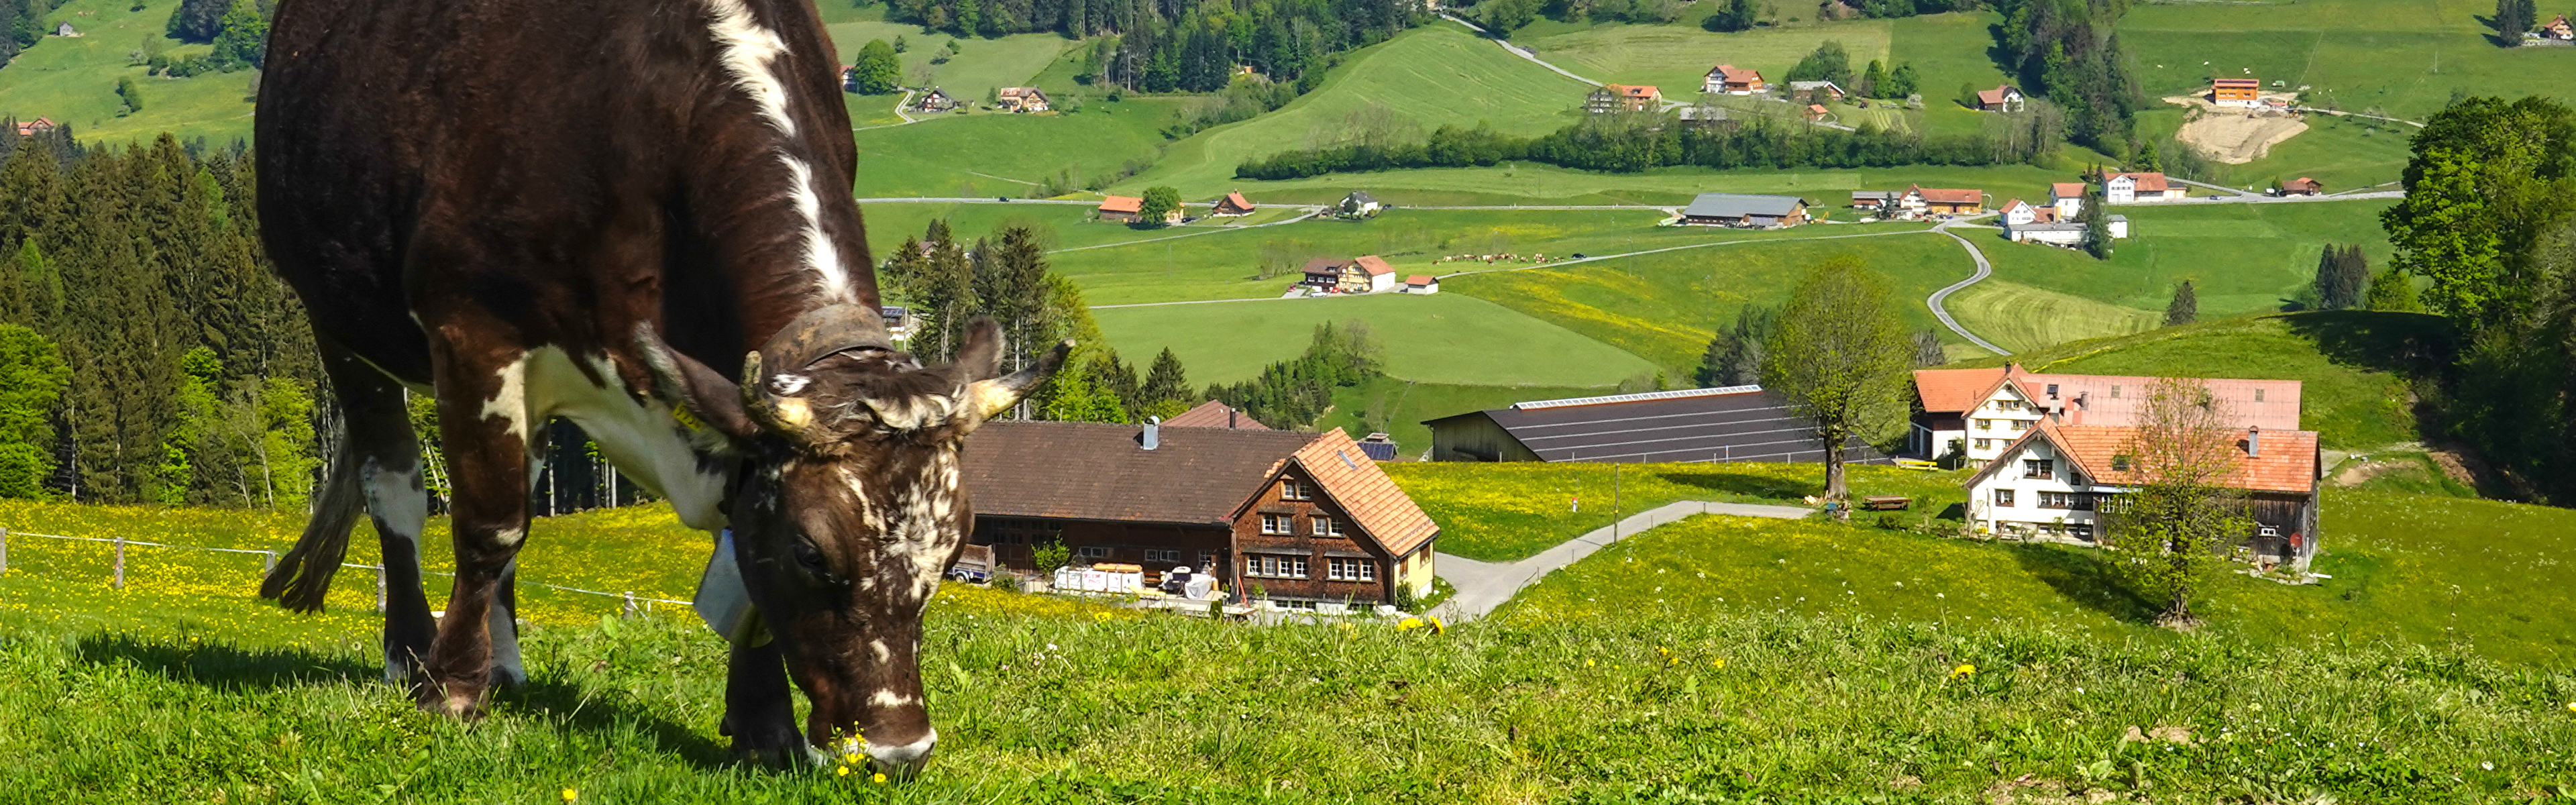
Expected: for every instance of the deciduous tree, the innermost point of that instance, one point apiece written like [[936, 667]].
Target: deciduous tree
[[2181, 510], [1160, 203], [1839, 356], [878, 70]]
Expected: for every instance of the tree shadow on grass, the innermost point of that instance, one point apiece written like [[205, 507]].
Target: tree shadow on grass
[[2407, 344], [1758, 486], [2084, 579], [223, 667]]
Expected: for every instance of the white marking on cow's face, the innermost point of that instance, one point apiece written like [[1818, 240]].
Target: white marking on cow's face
[[750, 56]]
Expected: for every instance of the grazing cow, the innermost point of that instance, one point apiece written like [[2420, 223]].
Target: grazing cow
[[578, 208]]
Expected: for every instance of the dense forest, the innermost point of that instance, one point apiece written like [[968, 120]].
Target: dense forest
[[1165, 45], [2067, 52]]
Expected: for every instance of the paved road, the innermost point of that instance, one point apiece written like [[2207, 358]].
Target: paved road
[[1515, 49], [2243, 197], [1984, 270], [1482, 586], [974, 200]]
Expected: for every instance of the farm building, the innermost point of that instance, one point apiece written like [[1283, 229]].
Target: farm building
[[1944, 201], [2050, 483], [934, 100], [30, 128], [2126, 188], [1735, 423], [1700, 117], [2022, 213], [1727, 79], [1020, 99], [1233, 205], [1422, 283], [1747, 211], [1307, 516], [1367, 274], [1975, 413], [1623, 98], [1816, 112], [1359, 203], [2559, 29], [1875, 199], [2302, 186], [66, 29], [2062, 232], [2245, 92], [1214, 414], [1325, 273], [900, 323], [1814, 91], [2003, 98], [2067, 197]]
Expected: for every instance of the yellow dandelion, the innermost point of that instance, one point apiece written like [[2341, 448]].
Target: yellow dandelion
[[880, 777], [1964, 670], [1436, 626], [1587, 663], [850, 758], [570, 795], [1718, 663], [2571, 707], [1408, 623]]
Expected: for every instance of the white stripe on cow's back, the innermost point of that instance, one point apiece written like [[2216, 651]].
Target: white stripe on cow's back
[[750, 56]]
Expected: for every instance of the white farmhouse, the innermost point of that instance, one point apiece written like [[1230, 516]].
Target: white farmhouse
[[2125, 188], [1975, 413], [2067, 197], [2053, 483]]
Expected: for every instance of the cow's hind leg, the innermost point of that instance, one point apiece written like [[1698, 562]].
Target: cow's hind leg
[[377, 468], [758, 713]]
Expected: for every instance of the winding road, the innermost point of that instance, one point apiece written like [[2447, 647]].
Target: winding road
[[1934, 301]]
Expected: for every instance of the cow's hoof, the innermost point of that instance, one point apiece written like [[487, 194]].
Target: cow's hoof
[[770, 744]]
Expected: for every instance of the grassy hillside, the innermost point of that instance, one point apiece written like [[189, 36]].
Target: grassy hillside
[[1008, 154], [1511, 510], [2405, 570], [1665, 307], [1443, 338], [73, 80], [2022, 318], [2242, 258], [2401, 56], [1416, 82], [2353, 366], [1677, 58]]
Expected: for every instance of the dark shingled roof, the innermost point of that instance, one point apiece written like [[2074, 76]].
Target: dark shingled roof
[[1087, 471], [1737, 205], [1742, 423]]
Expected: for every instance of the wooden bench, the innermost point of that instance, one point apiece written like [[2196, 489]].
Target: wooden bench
[[1886, 503]]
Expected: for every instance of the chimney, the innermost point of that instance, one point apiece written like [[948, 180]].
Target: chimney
[[2254, 441], [1153, 432], [1229, 417]]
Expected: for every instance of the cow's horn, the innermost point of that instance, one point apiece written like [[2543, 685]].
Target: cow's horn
[[821, 332]]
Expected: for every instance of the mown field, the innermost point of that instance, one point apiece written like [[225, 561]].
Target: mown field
[[1677, 58], [73, 80], [1440, 338], [2022, 318], [2354, 367], [2404, 57], [2241, 258], [1507, 511], [978, 155]]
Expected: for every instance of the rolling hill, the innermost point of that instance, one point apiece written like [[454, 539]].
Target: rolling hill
[[73, 80]]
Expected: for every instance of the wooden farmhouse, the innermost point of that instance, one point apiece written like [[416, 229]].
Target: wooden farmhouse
[[2302, 186], [1817, 112], [933, 100], [1875, 200], [2559, 29], [2053, 481], [1623, 98], [1971, 415], [1815, 91], [1745, 211], [1944, 201], [1325, 273], [1735, 423], [2003, 98], [1130, 209], [30, 128], [1283, 519], [1020, 99], [2244, 92], [1367, 274], [1727, 79], [1234, 205]]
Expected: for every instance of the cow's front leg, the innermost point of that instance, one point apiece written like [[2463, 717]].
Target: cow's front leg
[[758, 713], [487, 426]]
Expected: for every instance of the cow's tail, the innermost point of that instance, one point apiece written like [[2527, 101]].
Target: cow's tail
[[303, 576]]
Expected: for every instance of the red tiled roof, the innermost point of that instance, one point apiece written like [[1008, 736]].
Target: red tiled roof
[[1632, 90], [1947, 390], [1420, 279], [1729, 74], [1122, 204], [1374, 266], [2148, 182], [1994, 96], [2303, 184], [1349, 478], [2287, 461], [1815, 109], [2058, 190], [1214, 414], [1237, 201], [1950, 196]]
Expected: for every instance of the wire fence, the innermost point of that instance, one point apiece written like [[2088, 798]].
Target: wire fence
[[633, 604]]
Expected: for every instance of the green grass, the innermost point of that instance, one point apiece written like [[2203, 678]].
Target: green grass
[[1947, 50], [2412, 472], [74, 80], [1524, 183], [2344, 153], [2022, 318], [1664, 307], [2353, 366], [1677, 58], [2406, 57], [1422, 79], [1510, 510], [944, 156], [1442, 338], [2242, 258], [2405, 569], [1400, 406]]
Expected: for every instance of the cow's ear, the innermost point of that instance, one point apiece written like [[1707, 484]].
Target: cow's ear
[[989, 397], [710, 397]]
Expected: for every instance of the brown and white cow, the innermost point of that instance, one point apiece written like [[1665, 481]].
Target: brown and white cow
[[578, 208]]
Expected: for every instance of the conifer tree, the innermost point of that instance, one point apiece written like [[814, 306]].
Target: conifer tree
[[2185, 307]]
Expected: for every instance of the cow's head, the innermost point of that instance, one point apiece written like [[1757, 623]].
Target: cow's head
[[850, 506]]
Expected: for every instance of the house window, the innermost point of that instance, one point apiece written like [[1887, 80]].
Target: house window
[[2120, 462], [1172, 555], [2052, 391], [2038, 468], [2003, 497], [2115, 391], [1985, 444], [1327, 526], [1291, 489], [1350, 570], [2019, 425], [2065, 500], [1094, 552], [1985, 424], [1207, 561], [2258, 395], [1274, 524], [1277, 567]]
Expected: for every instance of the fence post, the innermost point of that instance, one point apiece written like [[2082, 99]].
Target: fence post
[[4, 550], [120, 561], [267, 562], [630, 604], [380, 589]]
